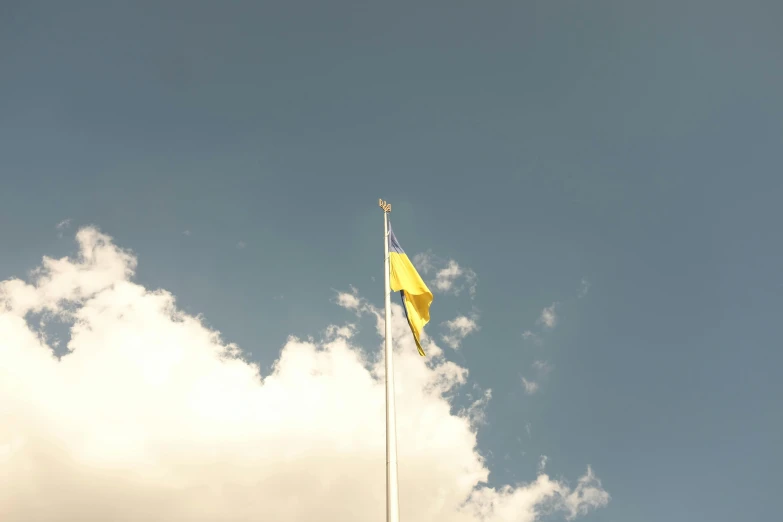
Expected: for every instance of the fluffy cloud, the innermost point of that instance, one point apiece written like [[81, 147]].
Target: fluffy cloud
[[459, 328], [446, 279], [153, 416], [548, 316]]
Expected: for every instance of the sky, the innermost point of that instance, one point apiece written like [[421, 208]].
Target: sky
[[191, 263]]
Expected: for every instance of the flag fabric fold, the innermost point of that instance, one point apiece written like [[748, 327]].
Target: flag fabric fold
[[416, 297]]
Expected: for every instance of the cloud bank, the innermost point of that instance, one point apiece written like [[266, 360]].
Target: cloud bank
[[152, 416]]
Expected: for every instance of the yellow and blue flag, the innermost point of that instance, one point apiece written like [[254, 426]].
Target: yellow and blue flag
[[416, 297]]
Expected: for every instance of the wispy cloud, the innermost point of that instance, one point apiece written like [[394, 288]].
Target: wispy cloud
[[530, 336], [241, 245], [345, 332], [357, 304], [477, 410], [583, 288], [542, 463], [447, 279], [542, 369], [459, 328], [424, 262], [186, 232], [531, 387], [62, 226], [450, 276]]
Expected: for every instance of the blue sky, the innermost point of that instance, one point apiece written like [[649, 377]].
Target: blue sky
[[239, 151]]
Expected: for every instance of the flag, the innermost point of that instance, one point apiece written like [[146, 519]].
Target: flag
[[416, 297]]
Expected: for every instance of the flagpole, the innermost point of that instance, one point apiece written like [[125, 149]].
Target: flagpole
[[392, 495]]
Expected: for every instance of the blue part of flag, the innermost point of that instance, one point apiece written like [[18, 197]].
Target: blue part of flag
[[394, 245]]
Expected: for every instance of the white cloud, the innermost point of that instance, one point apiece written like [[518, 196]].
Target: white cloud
[[62, 225], [588, 494], [187, 232], [528, 428], [530, 336], [450, 277], [542, 463], [424, 262], [542, 367], [241, 245], [344, 332], [348, 301], [531, 387], [446, 279], [459, 328], [477, 411], [584, 288], [153, 416], [548, 316], [354, 302]]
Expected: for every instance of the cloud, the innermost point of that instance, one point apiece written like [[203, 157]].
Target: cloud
[[151, 415], [446, 279], [530, 336], [357, 304], [344, 332], [450, 277], [542, 367], [477, 410], [186, 232], [584, 288], [531, 387], [241, 245], [62, 225], [348, 301], [424, 262], [459, 328], [542, 463], [548, 316]]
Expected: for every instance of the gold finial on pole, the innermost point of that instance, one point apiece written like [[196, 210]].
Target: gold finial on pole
[[385, 206]]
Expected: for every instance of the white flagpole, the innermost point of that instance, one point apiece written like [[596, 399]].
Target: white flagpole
[[392, 496]]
